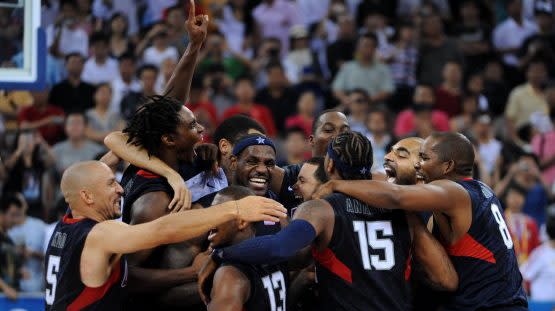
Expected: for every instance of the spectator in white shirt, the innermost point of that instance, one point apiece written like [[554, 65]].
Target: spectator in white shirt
[[65, 36], [160, 49], [274, 19], [100, 68], [106, 9], [509, 35], [125, 83], [539, 270]]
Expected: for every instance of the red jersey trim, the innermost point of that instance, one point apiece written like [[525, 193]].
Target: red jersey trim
[[91, 295], [408, 268], [147, 174], [468, 247], [70, 220], [327, 259]]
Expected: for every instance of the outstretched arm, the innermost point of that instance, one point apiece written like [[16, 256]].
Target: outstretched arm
[[180, 82], [432, 257], [439, 195], [230, 291], [310, 221]]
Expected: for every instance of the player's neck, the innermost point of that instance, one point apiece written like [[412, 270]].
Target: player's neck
[[170, 158]]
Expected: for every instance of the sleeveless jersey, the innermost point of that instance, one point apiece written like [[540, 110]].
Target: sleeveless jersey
[[269, 285], [64, 289], [484, 258], [365, 263]]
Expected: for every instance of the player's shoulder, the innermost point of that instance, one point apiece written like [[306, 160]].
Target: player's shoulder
[[233, 275]]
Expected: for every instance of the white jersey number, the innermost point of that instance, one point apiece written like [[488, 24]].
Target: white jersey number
[[51, 270], [274, 282], [368, 236], [502, 226]]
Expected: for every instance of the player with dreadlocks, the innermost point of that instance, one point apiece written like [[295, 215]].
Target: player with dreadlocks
[[339, 228]]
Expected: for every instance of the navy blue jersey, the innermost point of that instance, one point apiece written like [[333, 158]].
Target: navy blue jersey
[[268, 284], [364, 267], [64, 289], [484, 258]]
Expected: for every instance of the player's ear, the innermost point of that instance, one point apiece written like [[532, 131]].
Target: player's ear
[[168, 140], [242, 225], [233, 163], [448, 167], [86, 196], [224, 146], [311, 140]]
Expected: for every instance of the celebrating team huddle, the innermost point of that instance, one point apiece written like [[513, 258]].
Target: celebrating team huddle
[[221, 227]]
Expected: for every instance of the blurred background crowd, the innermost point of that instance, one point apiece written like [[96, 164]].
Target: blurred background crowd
[[397, 68]]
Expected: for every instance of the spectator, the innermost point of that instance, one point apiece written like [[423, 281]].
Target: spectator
[[423, 100], [220, 88], [120, 42], [527, 98], [60, 209], [496, 88], [277, 95], [544, 149], [65, 37], [125, 83], [10, 259], [296, 147], [341, 51], [216, 52], [488, 147], [435, 51], [306, 111], [100, 120], [236, 24], [358, 107], [448, 94], [539, 270], [155, 10], [475, 87], [131, 101], [73, 94], [203, 108], [11, 103], [375, 23], [378, 132], [300, 55], [29, 236], [274, 18], [47, 119], [26, 168], [177, 34], [107, 10], [268, 52], [509, 35], [166, 70], [160, 49], [541, 44], [366, 72], [523, 229], [473, 36], [463, 122], [77, 147], [244, 91], [100, 68], [402, 58]]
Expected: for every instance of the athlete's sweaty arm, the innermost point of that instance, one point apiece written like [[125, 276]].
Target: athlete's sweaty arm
[[439, 195], [231, 290]]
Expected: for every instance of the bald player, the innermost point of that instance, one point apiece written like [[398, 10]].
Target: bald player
[[84, 263], [466, 218]]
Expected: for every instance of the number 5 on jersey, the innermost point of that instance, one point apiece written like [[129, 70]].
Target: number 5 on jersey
[[51, 270], [368, 237]]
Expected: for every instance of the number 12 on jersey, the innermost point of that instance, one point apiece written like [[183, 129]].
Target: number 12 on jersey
[[368, 237]]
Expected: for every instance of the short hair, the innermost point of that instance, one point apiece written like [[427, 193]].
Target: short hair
[[457, 148], [104, 84], [320, 173], [157, 117], [78, 114], [274, 64], [361, 92], [236, 192], [294, 130], [370, 36], [231, 129], [244, 77], [74, 54], [8, 200], [355, 150], [127, 56], [536, 61], [98, 37], [118, 15], [317, 121], [147, 67], [514, 186]]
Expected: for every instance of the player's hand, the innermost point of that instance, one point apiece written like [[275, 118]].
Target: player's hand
[[196, 26], [181, 195], [324, 190], [256, 208], [207, 157], [205, 278], [200, 260], [10, 292]]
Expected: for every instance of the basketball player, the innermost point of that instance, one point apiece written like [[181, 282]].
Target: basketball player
[[466, 218], [242, 286], [346, 282], [84, 263]]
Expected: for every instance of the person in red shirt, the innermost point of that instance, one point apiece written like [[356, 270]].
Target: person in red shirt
[[448, 94], [244, 92], [306, 110], [46, 118], [203, 108]]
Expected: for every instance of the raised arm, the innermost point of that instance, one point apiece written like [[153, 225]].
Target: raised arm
[[230, 291], [438, 269], [180, 82], [117, 143], [440, 195]]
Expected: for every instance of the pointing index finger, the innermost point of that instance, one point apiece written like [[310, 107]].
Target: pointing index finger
[[191, 9]]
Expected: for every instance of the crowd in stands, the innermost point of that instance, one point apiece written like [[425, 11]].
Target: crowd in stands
[[397, 68]]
